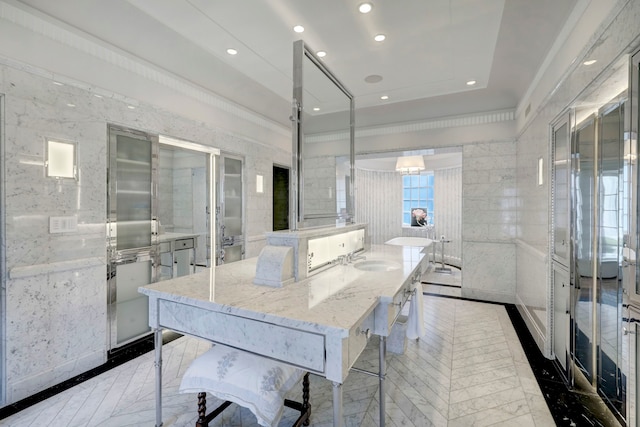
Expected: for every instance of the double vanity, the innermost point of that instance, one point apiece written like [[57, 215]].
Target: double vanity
[[320, 323]]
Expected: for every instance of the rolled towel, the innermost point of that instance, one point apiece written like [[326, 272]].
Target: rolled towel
[[415, 324]]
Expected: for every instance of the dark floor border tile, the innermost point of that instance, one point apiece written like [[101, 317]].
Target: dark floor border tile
[[441, 284], [567, 408], [127, 353]]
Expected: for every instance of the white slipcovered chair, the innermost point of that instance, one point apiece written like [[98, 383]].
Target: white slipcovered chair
[[254, 382]]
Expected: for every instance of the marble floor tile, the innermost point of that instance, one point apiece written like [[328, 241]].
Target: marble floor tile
[[468, 369]]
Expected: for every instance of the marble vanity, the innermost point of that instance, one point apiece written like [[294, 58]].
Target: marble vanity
[[321, 323], [177, 247]]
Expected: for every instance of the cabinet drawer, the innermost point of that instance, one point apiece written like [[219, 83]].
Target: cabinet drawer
[[164, 247], [358, 338], [184, 244], [386, 313], [296, 347], [399, 300]]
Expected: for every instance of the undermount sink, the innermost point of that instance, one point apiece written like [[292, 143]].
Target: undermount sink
[[376, 265], [409, 241]]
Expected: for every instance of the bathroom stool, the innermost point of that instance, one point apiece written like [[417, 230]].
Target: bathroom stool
[[253, 382]]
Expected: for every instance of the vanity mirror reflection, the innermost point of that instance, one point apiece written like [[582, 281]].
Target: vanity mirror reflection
[[323, 144]]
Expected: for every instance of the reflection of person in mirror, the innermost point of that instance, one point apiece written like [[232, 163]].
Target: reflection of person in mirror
[[420, 217]]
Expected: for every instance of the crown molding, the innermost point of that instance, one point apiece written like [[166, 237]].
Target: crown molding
[[46, 26], [440, 123]]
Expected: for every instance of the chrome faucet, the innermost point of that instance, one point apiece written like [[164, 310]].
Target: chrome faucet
[[353, 257], [342, 260]]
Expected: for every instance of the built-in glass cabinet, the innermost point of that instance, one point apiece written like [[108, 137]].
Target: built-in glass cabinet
[[590, 226], [230, 244]]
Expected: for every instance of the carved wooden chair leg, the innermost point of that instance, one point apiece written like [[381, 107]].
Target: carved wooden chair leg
[[306, 406], [202, 410], [203, 418]]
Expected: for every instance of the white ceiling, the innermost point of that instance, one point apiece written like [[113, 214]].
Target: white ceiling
[[433, 48]]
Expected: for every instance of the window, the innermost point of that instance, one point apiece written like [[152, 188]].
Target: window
[[417, 193]]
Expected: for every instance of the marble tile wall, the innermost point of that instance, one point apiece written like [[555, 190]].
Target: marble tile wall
[[489, 220], [182, 201], [378, 203], [320, 185], [448, 213], [56, 283], [165, 178], [618, 35]]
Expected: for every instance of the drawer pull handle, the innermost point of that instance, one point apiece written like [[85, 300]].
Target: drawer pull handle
[[366, 332]]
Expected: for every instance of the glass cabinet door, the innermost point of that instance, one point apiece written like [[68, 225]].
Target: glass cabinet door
[[583, 251], [560, 192], [561, 322], [611, 229], [230, 210], [131, 215], [631, 155]]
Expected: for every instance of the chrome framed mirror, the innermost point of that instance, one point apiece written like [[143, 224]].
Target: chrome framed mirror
[[323, 144]]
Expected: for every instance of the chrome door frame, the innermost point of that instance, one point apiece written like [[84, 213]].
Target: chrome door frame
[[236, 240], [618, 102], [562, 264], [117, 257], [3, 258], [631, 294], [632, 344]]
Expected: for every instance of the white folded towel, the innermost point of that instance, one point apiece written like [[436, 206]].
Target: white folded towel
[[415, 324]]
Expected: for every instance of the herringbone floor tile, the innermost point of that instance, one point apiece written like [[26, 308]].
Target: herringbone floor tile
[[467, 370]]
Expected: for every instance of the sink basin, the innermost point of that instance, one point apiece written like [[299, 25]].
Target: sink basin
[[409, 241], [376, 265]]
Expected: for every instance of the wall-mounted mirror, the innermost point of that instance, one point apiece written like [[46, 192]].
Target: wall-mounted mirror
[[323, 144]]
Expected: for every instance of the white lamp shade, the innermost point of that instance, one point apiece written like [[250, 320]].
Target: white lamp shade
[[410, 164]]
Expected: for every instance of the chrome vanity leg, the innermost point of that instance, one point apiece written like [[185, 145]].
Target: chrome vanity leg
[[158, 368], [337, 405], [382, 374]]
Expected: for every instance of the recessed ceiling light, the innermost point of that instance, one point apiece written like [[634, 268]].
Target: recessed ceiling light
[[365, 7], [590, 62], [321, 53], [379, 37], [316, 108], [471, 82], [373, 78], [298, 29], [384, 97], [232, 51]]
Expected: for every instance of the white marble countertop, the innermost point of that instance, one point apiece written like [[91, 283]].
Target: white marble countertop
[[333, 301]]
